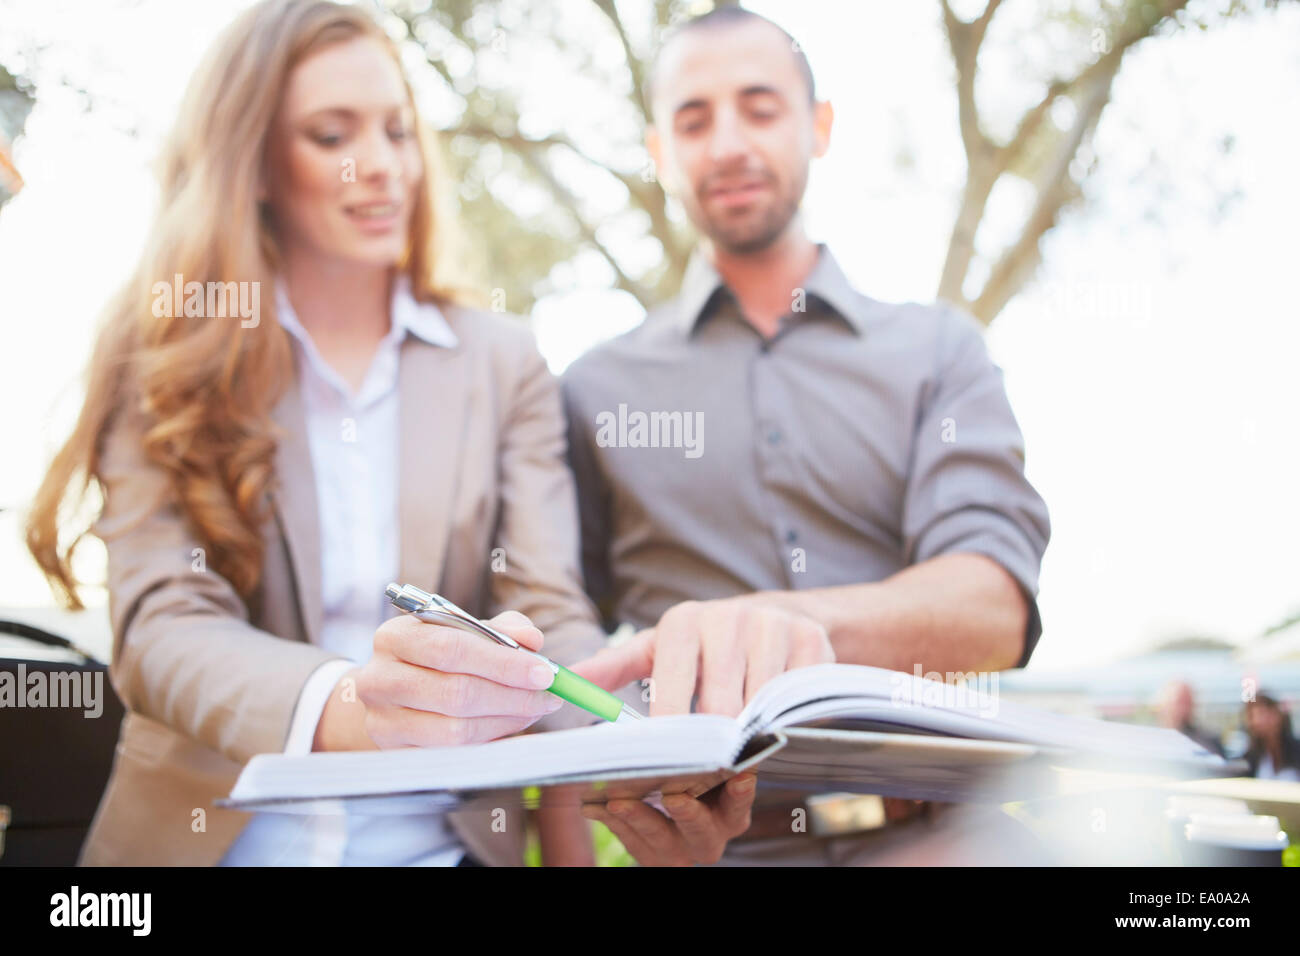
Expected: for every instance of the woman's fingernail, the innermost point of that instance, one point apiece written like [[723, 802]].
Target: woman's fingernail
[[553, 703], [744, 784], [541, 675]]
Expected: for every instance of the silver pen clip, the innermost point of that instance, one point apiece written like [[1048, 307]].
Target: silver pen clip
[[436, 609]]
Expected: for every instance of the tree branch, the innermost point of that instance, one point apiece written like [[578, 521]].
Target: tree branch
[[1020, 259], [634, 66], [570, 202], [964, 39], [650, 197], [1107, 62], [987, 162]]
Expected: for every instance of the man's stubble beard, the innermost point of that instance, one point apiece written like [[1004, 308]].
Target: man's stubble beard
[[747, 241]]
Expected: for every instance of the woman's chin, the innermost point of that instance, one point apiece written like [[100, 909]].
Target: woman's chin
[[387, 253]]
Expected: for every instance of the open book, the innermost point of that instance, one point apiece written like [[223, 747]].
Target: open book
[[833, 727]]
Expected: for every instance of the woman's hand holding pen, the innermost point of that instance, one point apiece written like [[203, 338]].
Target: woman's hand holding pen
[[428, 685]]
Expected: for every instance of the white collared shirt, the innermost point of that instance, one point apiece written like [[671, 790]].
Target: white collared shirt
[[355, 453]]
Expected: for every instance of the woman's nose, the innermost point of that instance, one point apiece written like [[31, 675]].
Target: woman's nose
[[378, 157]]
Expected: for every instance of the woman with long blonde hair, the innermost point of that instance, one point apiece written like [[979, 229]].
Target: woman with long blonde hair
[[290, 404]]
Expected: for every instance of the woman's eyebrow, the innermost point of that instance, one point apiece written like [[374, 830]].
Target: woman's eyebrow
[[347, 112], [328, 112]]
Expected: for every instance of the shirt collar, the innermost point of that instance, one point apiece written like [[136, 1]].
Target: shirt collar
[[422, 319], [827, 282]]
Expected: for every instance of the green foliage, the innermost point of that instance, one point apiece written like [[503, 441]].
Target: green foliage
[[609, 851], [541, 182]]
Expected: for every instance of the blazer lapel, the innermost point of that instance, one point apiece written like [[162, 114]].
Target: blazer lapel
[[433, 414], [433, 386], [294, 498]]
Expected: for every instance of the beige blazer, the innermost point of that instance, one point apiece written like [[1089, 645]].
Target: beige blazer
[[209, 680]]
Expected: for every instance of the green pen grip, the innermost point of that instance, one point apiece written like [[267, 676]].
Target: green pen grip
[[583, 693]]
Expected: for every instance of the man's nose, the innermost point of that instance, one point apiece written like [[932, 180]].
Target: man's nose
[[728, 140]]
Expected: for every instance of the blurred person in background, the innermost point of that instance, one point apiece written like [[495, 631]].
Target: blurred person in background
[[1274, 753], [1176, 709]]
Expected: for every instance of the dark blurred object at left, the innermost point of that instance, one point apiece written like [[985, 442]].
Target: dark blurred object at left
[[54, 759]]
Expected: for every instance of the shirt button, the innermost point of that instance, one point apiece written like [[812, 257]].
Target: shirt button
[[774, 436], [791, 536]]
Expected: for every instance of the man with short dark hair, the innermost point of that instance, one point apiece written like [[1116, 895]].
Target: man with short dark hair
[[774, 462]]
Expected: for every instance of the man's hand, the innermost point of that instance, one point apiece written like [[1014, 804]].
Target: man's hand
[[724, 651], [697, 832]]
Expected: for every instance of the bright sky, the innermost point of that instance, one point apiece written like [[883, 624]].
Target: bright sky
[[1151, 365]]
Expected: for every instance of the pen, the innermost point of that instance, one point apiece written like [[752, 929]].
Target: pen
[[567, 685]]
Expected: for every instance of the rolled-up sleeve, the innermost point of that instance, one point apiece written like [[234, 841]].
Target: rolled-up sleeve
[[967, 490]]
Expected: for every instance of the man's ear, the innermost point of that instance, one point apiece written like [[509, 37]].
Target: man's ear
[[823, 119], [654, 145]]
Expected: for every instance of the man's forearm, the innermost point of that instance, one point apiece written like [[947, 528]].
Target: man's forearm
[[955, 612]]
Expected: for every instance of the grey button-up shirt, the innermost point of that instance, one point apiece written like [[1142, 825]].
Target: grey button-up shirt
[[862, 438]]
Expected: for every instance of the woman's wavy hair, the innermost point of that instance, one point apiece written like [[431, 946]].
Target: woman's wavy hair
[[207, 385]]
